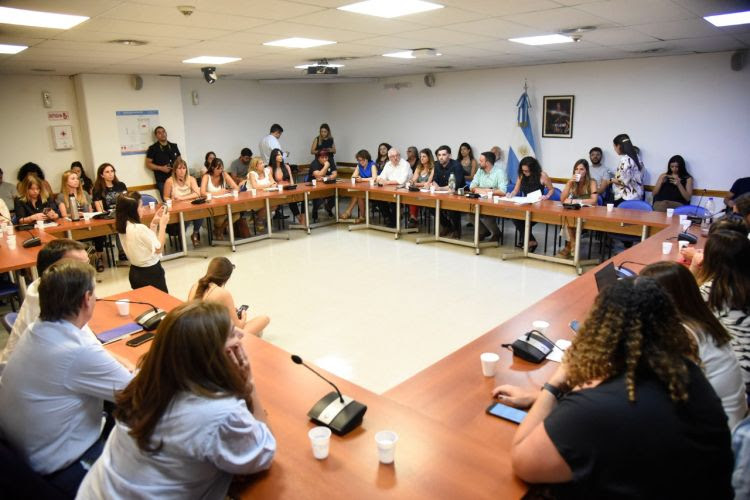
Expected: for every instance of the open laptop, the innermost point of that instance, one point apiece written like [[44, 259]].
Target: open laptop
[[605, 276]]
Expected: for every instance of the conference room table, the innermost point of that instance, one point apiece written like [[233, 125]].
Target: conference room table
[[19, 258]]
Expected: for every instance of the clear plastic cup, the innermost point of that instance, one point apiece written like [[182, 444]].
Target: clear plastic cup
[[666, 247], [169, 204], [320, 440], [610, 207], [386, 442], [11, 242], [354, 181], [540, 325], [314, 182], [670, 212], [372, 182], [209, 197], [489, 363], [281, 188], [123, 307], [253, 191]]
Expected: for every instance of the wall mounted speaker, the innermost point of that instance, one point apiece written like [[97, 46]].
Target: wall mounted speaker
[[137, 82], [737, 62]]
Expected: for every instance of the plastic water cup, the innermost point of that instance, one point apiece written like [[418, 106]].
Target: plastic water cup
[[169, 204], [670, 212], [40, 225], [209, 197], [354, 181], [432, 189], [489, 362], [685, 225], [320, 439], [372, 182], [578, 177], [123, 307], [151, 205], [540, 325], [495, 199], [253, 191], [9, 230], [386, 442], [314, 182], [683, 218], [610, 207], [666, 247], [11, 242], [681, 245]]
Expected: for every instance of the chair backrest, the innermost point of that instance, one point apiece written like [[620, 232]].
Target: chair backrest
[[636, 205], [8, 320], [556, 195], [600, 200], [691, 210], [147, 198]]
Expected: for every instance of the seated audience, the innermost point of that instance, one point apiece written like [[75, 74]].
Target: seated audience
[[742, 208], [730, 223], [382, 157], [466, 159], [143, 245], [282, 174], [107, 187], [364, 171], [740, 187], [628, 413], [321, 170], [5, 213], [217, 181], [239, 167], [717, 357], [324, 140], [33, 168], [211, 288], [581, 188], [34, 203], [412, 157], [49, 254], [8, 191], [54, 386], [70, 187], [723, 272], [206, 163], [531, 178], [421, 178], [450, 220], [628, 181], [86, 182], [489, 181], [602, 174], [183, 187], [189, 420], [395, 173], [260, 177], [674, 188]]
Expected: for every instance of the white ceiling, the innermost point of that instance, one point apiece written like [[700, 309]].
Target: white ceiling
[[470, 34]]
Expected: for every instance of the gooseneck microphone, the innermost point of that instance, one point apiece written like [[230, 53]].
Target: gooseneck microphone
[[338, 412], [31, 241], [299, 361], [150, 319]]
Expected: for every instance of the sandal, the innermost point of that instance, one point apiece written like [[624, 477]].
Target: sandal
[[195, 239], [99, 265]]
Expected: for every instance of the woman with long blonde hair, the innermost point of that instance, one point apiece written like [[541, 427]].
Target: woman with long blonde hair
[[34, 202]]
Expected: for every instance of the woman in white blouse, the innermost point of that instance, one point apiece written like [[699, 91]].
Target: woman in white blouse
[[259, 177], [628, 180], [143, 245], [181, 186], [189, 420], [217, 181]]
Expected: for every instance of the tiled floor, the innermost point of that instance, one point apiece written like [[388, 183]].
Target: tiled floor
[[370, 309]]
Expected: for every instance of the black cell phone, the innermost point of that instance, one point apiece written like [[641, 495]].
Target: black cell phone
[[574, 325], [240, 309], [140, 339], [506, 412]]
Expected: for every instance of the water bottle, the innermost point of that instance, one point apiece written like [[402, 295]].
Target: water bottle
[[710, 208], [74, 215], [452, 183]]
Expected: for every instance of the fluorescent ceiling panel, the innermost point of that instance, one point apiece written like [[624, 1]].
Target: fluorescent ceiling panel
[[305, 66], [298, 43], [404, 54], [39, 19], [542, 39], [11, 49], [390, 8], [732, 19], [211, 60]]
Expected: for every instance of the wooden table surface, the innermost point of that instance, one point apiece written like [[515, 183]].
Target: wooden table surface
[[20, 257]]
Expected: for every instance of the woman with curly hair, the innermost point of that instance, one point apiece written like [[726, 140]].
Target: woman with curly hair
[[628, 414]]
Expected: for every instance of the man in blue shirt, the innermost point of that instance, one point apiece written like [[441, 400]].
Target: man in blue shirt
[[450, 221], [489, 181]]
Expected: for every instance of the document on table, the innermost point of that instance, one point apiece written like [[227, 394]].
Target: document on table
[[225, 195], [525, 200], [559, 350]]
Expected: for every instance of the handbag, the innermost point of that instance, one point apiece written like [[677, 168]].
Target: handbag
[[241, 228]]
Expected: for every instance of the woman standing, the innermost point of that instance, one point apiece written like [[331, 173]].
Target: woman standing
[[143, 245], [217, 181], [259, 177], [282, 174], [86, 183], [531, 178], [467, 161], [189, 420], [581, 188], [324, 140], [628, 181], [212, 288], [34, 202], [364, 171], [673, 188], [183, 187]]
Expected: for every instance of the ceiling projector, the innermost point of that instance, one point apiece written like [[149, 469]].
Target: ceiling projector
[[322, 70]]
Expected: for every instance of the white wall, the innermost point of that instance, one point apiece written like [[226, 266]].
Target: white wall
[[100, 96], [25, 129], [232, 114], [690, 105]]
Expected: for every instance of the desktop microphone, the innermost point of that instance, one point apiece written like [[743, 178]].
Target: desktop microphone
[[339, 413], [149, 320], [32, 241], [624, 272]]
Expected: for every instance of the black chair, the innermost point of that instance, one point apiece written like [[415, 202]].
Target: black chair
[[18, 481]]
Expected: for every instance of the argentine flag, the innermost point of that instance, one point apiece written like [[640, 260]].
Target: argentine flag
[[521, 140]]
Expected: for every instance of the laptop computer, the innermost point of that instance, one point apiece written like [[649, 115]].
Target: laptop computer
[[605, 276]]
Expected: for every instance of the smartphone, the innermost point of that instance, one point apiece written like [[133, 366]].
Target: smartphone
[[574, 325], [240, 310], [506, 412], [140, 339]]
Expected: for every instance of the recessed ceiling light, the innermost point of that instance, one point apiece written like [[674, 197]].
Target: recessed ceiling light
[[39, 19], [327, 65], [414, 54], [211, 60], [132, 43], [403, 54], [542, 39], [12, 49], [390, 8], [732, 19], [298, 43]]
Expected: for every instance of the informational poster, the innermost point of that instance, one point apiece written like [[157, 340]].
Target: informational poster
[[136, 130]]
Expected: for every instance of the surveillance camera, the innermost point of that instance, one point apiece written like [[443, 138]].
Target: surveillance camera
[[577, 38], [209, 73], [186, 10]]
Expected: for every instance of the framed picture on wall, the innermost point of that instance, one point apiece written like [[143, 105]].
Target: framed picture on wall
[[558, 116]]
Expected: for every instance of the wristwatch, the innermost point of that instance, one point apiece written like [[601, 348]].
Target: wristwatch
[[555, 391]]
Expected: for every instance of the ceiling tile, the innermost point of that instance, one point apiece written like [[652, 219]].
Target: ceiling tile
[[554, 20], [687, 28], [493, 27], [629, 12], [438, 36], [617, 36]]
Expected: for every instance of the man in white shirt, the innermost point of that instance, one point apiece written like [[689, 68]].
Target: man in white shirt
[[53, 389], [49, 254], [396, 171], [271, 142]]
